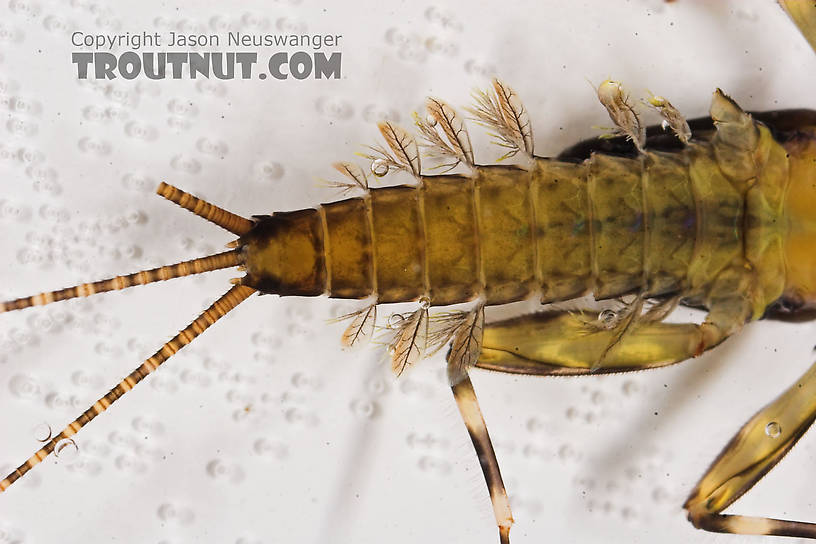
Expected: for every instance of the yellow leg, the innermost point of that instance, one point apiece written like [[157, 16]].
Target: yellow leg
[[568, 344], [750, 454]]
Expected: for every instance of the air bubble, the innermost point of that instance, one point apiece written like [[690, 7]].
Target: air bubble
[[373, 113], [396, 37], [141, 131], [414, 388], [170, 512], [566, 452], [81, 379], [132, 251], [58, 401], [86, 467], [178, 123], [42, 432], [394, 321], [270, 448], [164, 385], [608, 318], [120, 440], [432, 464], [54, 24], [22, 337], [142, 425], [219, 24], [247, 540], [364, 409], [630, 387], [29, 156], [24, 387], [94, 146], [660, 495], [130, 464], [9, 534], [43, 323], [476, 67], [263, 357], [56, 215], [213, 88], [334, 108], [270, 170], [185, 164], [221, 471], [376, 386], [773, 429], [379, 167], [211, 147], [66, 450], [302, 381], [253, 21], [300, 417], [290, 26]]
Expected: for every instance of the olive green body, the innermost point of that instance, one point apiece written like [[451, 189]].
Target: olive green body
[[655, 223]]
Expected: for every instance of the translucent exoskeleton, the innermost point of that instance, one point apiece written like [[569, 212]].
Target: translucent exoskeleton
[[591, 341]]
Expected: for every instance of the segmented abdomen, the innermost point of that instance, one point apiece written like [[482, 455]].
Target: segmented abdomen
[[658, 223]]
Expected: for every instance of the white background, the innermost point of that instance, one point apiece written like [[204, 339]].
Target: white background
[[263, 430]]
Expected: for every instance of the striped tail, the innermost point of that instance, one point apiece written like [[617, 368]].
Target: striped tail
[[219, 309], [221, 217], [224, 219], [186, 268]]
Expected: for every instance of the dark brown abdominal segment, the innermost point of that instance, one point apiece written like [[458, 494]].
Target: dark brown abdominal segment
[[399, 244], [451, 239], [350, 263], [505, 233], [285, 254]]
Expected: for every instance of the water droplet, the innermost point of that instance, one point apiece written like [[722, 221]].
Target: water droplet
[[379, 167], [773, 429], [424, 303], [431, 120]]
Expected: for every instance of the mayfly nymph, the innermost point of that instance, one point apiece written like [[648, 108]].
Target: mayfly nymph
[[714, 213]]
